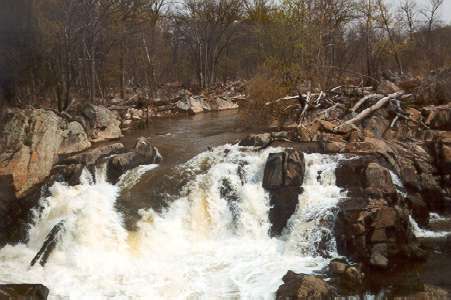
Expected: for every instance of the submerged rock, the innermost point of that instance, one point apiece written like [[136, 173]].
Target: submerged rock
[[301, 286], [144, 153]]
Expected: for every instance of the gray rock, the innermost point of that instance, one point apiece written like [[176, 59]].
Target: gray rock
[[75, 139], [102, 124], [32, 140], [144, 153]]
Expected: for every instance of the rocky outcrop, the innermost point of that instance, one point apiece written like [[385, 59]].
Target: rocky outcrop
[[10, 209], [373, 224], [301, 286], [143, 153], [24, 291], [32, 140], [283, 178], [200, 103], [101, 123], [75, 139]]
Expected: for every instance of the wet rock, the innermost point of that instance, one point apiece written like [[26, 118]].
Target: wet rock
[[91, 157], [378, 180], [283, 177], [284, 169], [9, 209], [438, 117], [256, 140], [24, 291], [144, 153], [337, 267], [420, 211], [273, 176], [66, 173], [300, 286], [379, 256], [372, 226], [102, 124]]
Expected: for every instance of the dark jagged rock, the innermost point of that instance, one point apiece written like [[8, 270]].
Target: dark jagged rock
[[144, 153], [49, 245], [256, 140], [283, 177], [9, 209], [301, 286], [373, 224], [24, 291]]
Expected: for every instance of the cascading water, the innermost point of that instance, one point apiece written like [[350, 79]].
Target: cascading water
[[208, 244]]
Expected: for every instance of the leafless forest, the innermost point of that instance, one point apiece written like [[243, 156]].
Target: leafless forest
[[55, 52]]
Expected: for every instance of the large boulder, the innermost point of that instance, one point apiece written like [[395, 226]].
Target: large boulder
[[193, 105], [30, 142], [438, 117], [30, 146], [283, 177], [301, 286], [24, 291], [75, 139], [373, 226], [143, 153], [101, 123]]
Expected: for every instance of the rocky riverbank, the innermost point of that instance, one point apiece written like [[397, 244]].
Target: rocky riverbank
[[39, 146], [395, 171]]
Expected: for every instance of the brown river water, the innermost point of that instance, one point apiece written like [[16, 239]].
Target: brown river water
[[178, 140]]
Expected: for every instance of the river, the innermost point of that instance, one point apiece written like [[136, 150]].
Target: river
[[193, 227]]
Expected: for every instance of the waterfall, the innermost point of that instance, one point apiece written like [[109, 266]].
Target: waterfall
[[211, 243]]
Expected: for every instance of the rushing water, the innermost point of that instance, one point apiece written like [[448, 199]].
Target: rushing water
[[202, 246]]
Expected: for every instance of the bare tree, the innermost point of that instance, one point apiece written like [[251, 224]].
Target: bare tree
[[409, 10], [431, 13], [387, 23], [208, 28]]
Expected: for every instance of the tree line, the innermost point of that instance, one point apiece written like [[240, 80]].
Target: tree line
[[53, 52]]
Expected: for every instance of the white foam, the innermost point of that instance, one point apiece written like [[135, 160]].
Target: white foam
[[425, 233], [199, 248]]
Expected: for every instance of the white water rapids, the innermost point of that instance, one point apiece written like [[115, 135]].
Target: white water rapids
[[200, 247]]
